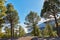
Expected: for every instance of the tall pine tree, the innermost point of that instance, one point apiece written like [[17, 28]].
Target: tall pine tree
[[32, 20], [12, 17], [51, 7]]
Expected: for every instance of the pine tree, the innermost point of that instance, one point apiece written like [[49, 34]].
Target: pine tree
[[51, 7], [2, 12], [37, 32], [48, 31], [32, 20], [12, 17]]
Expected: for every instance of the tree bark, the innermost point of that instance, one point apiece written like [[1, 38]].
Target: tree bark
[[12, 31], [57, 28], [0, 27]]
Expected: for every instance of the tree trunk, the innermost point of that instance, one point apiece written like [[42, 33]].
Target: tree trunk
[[34, 29], [57, 28], [12, 31], [0, 27]]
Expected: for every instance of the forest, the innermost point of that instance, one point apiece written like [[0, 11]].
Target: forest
[[9, 16]]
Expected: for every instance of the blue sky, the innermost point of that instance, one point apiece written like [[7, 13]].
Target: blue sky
[[25, 6]]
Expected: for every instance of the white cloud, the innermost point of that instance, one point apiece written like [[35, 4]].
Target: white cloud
[[43, 20], [51, 16]]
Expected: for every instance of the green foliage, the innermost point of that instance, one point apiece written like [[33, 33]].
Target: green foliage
[[54, 34], [1, 34], [32, 20], [48, 31], [2, 13], [16, 31], [21, 31], [51, 7], [12, 14], [58, 20], [2, 8], [37, 31], [32, 17], [12, 17], [7, 32]]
